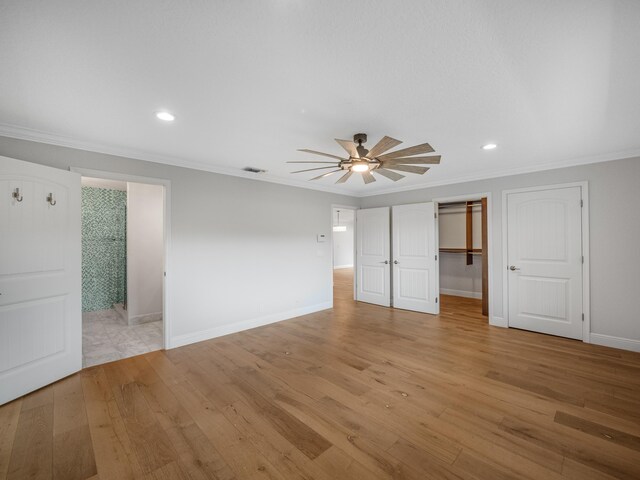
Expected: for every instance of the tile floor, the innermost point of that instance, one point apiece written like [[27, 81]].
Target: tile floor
[[105, 337]]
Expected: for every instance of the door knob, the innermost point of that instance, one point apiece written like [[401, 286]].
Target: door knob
[[386, 262], [395, 262], [513, 268]]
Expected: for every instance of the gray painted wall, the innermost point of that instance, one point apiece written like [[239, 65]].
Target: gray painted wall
[[243, 252], [614, 197], [237, 258]]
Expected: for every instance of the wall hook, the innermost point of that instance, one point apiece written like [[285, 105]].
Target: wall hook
[[51, 200], [16, 195]]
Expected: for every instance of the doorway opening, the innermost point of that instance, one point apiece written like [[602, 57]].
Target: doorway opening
[[463, 254], [123, 258], [343, 251]]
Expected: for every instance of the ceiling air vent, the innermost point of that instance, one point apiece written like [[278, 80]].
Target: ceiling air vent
[[254, 170]]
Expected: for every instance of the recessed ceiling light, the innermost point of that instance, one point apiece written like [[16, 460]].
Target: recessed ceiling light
[[489, 146], [166, 116]]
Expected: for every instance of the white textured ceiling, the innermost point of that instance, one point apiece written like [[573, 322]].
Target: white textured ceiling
[[551, 82]]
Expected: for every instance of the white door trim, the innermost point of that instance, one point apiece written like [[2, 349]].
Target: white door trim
[[493, 320], [343, 207], [586, 301], [166, 315]]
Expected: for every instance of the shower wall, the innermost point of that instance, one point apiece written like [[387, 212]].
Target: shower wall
[[104, 248]]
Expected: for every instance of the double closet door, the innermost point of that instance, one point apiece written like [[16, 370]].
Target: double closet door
[[396, 257]]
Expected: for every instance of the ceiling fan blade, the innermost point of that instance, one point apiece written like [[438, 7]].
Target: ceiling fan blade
[[413, 160], [382, 146], [320, 153], [313, 161], [311, 169], [367, 177], [407, 152], [389, 174], [325, 174], [408, 168], [349, 146], [345, 177]]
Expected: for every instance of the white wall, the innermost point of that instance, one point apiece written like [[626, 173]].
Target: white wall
[[614, 232], [343, 241], [236, 260], [145, 250], [456, 277]]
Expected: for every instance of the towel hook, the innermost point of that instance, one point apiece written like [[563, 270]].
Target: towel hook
[[16, 195], [50, 199]]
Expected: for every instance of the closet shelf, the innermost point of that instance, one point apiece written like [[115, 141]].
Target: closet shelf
[[475, 251]]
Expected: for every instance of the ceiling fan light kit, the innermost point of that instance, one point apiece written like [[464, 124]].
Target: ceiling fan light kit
[[365, 162]]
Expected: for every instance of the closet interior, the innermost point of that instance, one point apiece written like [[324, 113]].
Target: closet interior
[[463, 252]]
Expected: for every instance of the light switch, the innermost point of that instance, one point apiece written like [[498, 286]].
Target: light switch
[[322, 238]]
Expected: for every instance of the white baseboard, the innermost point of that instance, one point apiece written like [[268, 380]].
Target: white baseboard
[[460, 293], [222, 330], [498, 322], [145, 318], [615, 342], [338, 267]]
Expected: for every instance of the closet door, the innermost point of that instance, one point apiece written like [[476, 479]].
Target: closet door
[[415, 265], [40, 279], [373, 279]]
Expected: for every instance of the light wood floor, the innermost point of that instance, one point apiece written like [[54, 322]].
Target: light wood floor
[[360, 392]]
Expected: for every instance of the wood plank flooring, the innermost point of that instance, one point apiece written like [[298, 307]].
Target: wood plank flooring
[[357, 392]]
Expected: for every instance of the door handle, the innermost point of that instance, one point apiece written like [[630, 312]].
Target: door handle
[[395, 262], [513, 268], [386, 262]]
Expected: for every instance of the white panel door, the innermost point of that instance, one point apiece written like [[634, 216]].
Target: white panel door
[[373, 276], [544, 249], [415, 266], [40, 279]]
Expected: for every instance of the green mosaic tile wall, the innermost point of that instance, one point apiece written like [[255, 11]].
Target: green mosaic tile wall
[[104, 248]]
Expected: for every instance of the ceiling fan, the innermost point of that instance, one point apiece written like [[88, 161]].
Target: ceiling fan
[[365, 161]]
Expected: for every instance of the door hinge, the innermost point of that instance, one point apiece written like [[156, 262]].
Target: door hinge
[[582, 258], [436, 299], [583, 317], [436, 257], [435, 214], [581, 203]]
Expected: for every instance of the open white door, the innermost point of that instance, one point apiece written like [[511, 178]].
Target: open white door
[[372, 256], [40, 279], [544, 249], [415, 265]]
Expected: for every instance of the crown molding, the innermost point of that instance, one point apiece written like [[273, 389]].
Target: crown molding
[[32, 135], [573, 162], [23, 133]]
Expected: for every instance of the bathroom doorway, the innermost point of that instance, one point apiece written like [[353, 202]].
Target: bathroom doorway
[[123, 250]]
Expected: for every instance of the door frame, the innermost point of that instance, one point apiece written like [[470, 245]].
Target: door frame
[[166, 284], [344, 207], [493, 320], [586, 303]]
